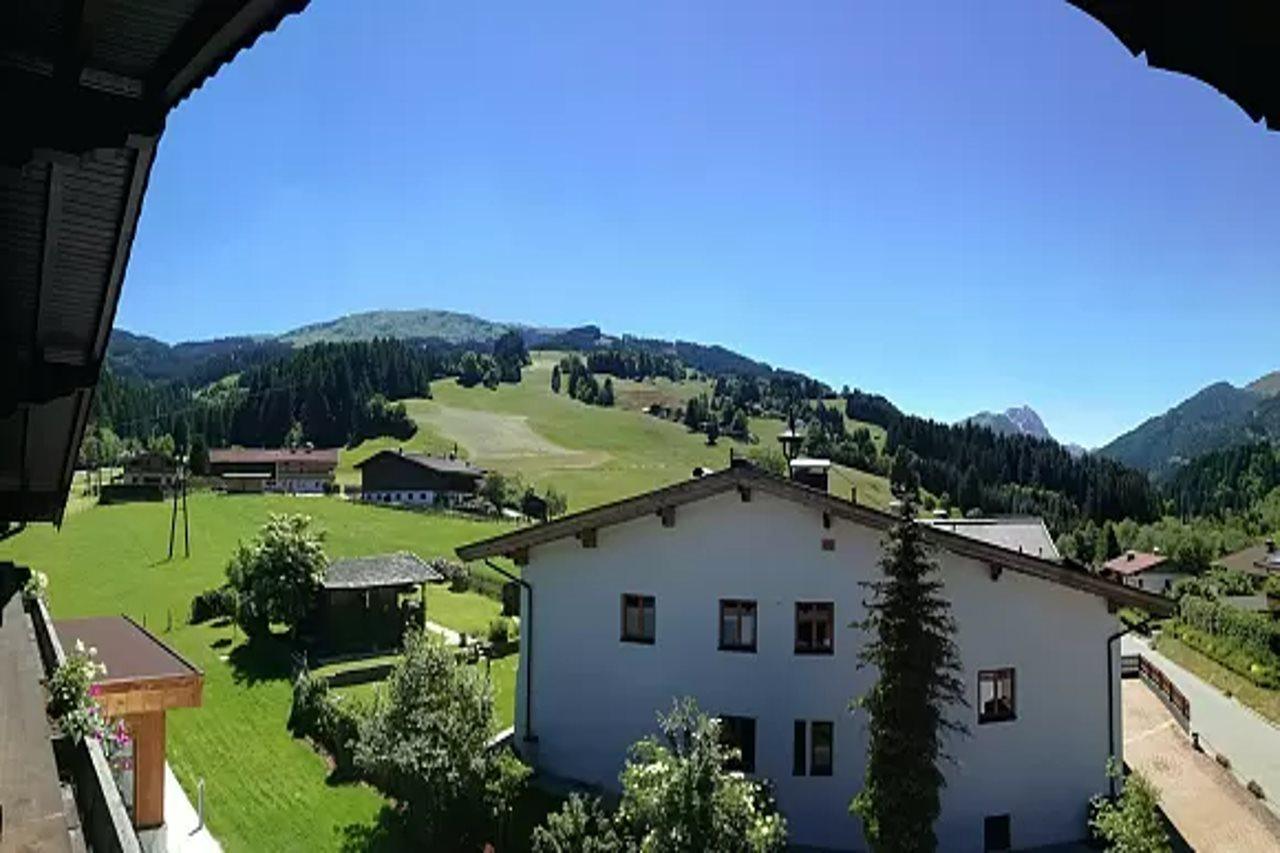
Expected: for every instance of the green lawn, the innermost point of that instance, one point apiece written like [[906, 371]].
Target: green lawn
[[264, 790], [1265, 702], [592, 454], [502, 671]]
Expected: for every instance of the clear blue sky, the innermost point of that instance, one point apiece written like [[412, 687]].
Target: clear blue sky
[[959, 205]]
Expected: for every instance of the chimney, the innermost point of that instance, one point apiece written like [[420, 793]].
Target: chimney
[[1129, 555]]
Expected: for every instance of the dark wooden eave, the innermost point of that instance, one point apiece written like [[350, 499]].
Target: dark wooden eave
[[85, 87], [518, 542]]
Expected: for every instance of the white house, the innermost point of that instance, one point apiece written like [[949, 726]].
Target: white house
[[739, 589], [1141, 570]]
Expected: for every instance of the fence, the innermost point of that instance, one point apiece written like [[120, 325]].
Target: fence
[[1137, 666]]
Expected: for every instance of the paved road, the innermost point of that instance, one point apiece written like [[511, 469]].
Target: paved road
[[1224, 725], [1209, 808]]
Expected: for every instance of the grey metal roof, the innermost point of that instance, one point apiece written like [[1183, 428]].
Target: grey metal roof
[[1024, 534], [87, 87], [380, 570]]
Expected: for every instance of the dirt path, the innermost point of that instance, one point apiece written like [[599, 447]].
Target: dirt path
[[1207, 805]]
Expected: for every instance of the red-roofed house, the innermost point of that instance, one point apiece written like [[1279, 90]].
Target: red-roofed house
[[1142, 570]]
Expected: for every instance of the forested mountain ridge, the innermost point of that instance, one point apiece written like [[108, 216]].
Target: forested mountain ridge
[[1216, 417]]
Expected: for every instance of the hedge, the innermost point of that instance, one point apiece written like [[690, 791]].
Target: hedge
[[326, 720], [213, 604], [1244, 642]]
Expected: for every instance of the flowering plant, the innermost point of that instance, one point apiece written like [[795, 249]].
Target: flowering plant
[[36, 587], [71, 694]]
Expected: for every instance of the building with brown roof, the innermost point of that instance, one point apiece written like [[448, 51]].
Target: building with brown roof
[[1142, 570], [302, 470]]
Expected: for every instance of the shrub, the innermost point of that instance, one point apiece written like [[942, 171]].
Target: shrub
[[1222, 760], [1132, 821], [425, 745], [581, 826], [1256, 789], [502, 630], [331, 724], [213, 604]]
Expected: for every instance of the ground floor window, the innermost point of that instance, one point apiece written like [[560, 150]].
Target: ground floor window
[[996, 835], [813, 748], [740, 733]]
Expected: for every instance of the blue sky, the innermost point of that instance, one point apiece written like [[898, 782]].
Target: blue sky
[[961, 206]]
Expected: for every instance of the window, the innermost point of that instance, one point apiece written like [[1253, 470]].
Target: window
[[637, 618], [815, 627], [995, 695], [812, 748], [737, 625], [740, 733], [995, 833]]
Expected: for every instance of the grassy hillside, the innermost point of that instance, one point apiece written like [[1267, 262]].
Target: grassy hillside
[[264, 790], [592, 454], [449, 326]]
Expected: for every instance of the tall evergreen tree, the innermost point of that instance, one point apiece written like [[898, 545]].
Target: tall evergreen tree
[[917, 665], [555, 379]]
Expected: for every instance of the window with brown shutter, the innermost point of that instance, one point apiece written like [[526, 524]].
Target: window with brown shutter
[[815, 627]]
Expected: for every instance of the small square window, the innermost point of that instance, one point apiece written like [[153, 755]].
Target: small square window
[[996, 834], [815, 627], [995, 695], [740, 734], [638, 618], [737, 625]]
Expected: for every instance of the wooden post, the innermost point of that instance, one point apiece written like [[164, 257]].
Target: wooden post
[[147, 731]]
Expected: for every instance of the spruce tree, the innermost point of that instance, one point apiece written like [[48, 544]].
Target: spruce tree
[[918, 679], [555, 379]]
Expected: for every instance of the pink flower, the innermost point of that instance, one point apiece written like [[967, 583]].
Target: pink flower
[[95, 689]]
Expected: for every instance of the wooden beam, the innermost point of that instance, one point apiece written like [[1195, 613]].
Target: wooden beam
[[520, 556], [996, 569], [668, 514], [744, 492], [826, 521], [588, 537], [147, 731]]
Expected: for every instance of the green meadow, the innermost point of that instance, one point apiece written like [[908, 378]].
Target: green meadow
[[264, 790]]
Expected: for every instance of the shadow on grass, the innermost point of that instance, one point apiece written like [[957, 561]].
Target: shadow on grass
[[266, 658], [387, 832], [220, 644]]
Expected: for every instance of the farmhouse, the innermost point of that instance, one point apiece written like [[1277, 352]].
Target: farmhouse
[[741, 589], [394, 476], [303, 470], [150, 468], [1142, 570]]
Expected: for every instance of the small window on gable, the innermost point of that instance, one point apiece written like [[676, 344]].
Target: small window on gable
[[737, 625], [995, 695], [815, 627], [740, 733], [638, 618]]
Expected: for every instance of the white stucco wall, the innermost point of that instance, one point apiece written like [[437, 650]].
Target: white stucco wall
[[594, 695]]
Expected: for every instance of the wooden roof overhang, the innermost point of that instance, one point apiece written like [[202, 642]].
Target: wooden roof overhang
[[143, 674], [744, 478], [85, 87]]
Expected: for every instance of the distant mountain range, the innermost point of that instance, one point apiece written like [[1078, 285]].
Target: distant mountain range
[[1218, 416]]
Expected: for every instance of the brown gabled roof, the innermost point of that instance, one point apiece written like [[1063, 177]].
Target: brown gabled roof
[[744, 476], [441, 464], [272, 455], [1133, 563]]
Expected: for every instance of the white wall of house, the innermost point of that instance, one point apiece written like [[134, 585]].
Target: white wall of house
[[1153, 580], [414, 497], [594, 695]]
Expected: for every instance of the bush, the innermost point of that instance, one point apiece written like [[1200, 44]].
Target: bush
[[213, 604], [581, 826], [502, 630], [1243, 642], [278, 575], [317, 714], [1256, 789], [1132, 821]]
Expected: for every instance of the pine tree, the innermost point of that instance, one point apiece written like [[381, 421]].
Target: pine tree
[[555, 379], [917, 665], [606, 393]]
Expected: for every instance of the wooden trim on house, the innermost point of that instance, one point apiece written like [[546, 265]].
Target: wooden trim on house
[[745, 478]]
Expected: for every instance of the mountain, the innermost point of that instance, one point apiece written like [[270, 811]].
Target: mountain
[[141, 357], [449, 327], [1214, 418], [1020, 420]]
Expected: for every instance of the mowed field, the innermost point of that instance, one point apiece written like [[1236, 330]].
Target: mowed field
[[264, 790], [592, 454]]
